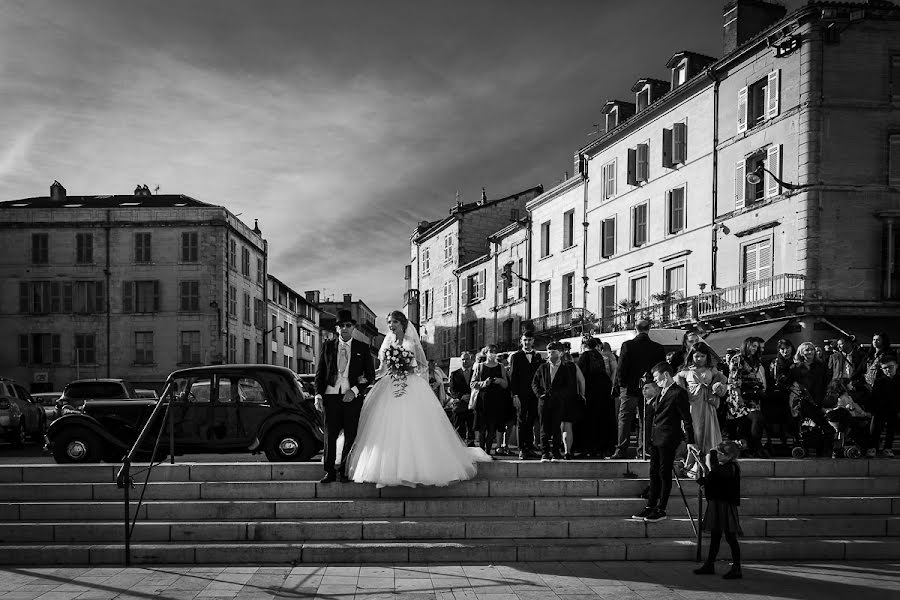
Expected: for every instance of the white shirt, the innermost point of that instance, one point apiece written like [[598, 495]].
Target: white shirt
[[342, 383], [554, 367]]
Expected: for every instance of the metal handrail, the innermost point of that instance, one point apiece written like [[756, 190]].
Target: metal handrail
[[125, 478]]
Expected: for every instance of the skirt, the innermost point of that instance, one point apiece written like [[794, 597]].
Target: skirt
[[722, 516]]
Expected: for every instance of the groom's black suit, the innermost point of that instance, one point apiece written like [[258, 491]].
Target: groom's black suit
[[339, 414]]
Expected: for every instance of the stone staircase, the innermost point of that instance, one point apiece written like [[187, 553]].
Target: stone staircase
[[200, 513]]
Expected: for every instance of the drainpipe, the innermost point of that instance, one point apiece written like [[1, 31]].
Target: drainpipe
[[584, 244], [107, 275], [714, 259], [496, 297]]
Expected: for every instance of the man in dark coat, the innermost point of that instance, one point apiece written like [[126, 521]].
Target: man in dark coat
[[595, 432], [343, 376], [523, 364], [460, 392], [555, 384], [636, 357], [671, 423]]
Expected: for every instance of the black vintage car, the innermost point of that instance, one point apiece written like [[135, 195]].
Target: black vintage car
[[216, 409]]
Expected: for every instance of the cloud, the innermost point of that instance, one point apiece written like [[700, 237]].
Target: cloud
[[16, 159]]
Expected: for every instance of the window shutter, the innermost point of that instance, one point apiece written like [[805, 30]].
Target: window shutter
[[156, 295], [482, 276], [464, 291], [773, 94], [127, 296], [765, 259], [632, 166], [54, 348], [568, 221], [667, 148], [894, 160], [740, 185], [679, 143], [23, 349], [55, 297], [643, 162], [23, 297], [67, 297], [742, 110], [773, 163]]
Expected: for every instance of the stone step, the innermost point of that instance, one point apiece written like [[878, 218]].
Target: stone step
[[477, 488], [442, 551], [498, 469], [677, 526], [348, 508]]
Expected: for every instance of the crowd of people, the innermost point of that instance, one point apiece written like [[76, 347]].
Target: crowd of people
[[587, 403]]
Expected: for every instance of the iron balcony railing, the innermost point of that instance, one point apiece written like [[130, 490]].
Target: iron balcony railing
[[755, 295], [562, 320]]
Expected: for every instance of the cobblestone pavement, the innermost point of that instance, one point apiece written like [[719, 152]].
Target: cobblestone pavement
[[521, 581]]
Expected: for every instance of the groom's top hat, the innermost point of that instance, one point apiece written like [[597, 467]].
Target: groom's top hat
[[345, 316]]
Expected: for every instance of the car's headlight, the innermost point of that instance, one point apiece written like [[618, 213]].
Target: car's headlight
[[69, 409]]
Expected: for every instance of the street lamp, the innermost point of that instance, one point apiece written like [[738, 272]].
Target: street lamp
[[755, 176]]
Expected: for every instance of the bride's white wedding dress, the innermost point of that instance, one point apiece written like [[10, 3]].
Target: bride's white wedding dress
[[408, 440]]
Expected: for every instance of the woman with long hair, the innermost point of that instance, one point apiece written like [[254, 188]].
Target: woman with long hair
[[776, 406], [746, 389], [706, 386], [809, 377], [494, 404], [404, 437], [881, 345]]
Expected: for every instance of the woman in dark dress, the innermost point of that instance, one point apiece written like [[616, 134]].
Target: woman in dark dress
[[810, 376], [776, 405], [596, 430], [493, 405]]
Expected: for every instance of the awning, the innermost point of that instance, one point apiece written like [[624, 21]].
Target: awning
[[734, 337]]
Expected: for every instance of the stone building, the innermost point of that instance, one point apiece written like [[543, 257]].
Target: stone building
[[131, 286], [293, 330], [438, 249], [367, 321]]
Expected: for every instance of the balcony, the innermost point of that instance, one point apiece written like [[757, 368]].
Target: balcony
[[773, 293], [563, 321]]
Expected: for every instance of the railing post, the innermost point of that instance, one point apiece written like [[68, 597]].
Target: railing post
[[171, 420], [126, 480], [699, 523]]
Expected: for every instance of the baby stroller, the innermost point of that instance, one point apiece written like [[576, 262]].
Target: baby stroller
[[809, 436], [809, 426], [851, 423]]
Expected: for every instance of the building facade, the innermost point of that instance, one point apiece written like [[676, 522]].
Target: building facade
[[293, 329], [366, 320], [126, 286]]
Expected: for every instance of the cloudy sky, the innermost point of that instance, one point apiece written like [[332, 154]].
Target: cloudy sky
[[338, 124]]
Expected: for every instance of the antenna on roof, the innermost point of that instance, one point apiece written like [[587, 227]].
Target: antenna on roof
[[156, 189]]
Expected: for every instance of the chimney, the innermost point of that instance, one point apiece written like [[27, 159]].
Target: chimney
[[743, 19], [348, 299], [312, 296], [57, 191], [256, 228]]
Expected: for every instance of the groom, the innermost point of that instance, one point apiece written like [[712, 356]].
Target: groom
[[343, 376]]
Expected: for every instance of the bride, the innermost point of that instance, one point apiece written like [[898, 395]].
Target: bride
[[404, 437]]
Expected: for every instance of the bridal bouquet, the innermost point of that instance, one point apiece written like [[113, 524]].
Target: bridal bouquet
[[398, 360]]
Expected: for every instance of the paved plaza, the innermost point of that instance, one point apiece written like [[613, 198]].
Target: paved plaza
[[522, 581]]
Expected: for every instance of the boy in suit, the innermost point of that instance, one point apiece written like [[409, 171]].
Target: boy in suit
[[523, 364], [671, 423]]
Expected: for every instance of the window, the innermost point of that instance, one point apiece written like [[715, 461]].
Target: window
[[142, 248], [638, 164], [232, 302], [85, 349], [426, 261], [250, 390], [675, 288], [285, 340], [143, 347], [232, 348], [39, 349], [140, 296], [246, 308], [568, 291], [545, 239], [569, 229], [290, 334], [607, 301], [639, 225], [83, 297], [608, 177], [40, 248], [675, 210], [894, 159], [473, 288], [756, 270], [643, 99], [190, 247], [274, 358], [521, 282], [674, 145], [245, 262], [448, 296], [448, 248], [427, 304], [608, 237], [544, 298], [189, 296], [679, 74], [890, 258], [84, 248], [259, 271], [514, 214], [612, 118], [758, 101], [446, 343], [640, 290], [258, 317], [895, 78], [232, 255], [746, 192], [260, 358]]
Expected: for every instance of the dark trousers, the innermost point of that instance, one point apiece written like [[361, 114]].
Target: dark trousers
[[526, 416], [715, 538], [464, 423], [661, 460], [339, 415], [551, 435], [628, 412], [887, 420], [751, 427]]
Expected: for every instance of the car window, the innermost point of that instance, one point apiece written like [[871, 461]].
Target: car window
[[94, 389], [199, 391], [225, 390], [22, 393], [251, 391]]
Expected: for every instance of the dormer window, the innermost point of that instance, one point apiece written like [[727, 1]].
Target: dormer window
[[612, 118], [679, 74], [643, 99]]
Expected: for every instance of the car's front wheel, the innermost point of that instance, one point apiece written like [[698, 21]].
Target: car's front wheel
[[77, 445], [289, 443]]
